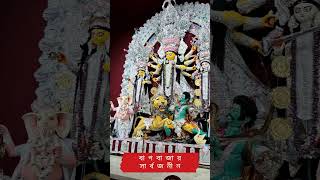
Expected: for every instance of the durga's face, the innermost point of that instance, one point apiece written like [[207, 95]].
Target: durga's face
[[170, 55], [99, 36]]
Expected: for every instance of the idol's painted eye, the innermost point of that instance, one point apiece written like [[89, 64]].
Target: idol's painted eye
[[307, 9], [100, 34]]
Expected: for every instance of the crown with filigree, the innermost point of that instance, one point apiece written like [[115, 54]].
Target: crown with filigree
[[314, 2], [289, 3], [171, 32], [142, 66], [204, 61], [99, 23], [171, 44]]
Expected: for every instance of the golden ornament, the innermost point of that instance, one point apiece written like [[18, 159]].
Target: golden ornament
[[197, 82], [106, 67], [281, 97], [67, 107], [154, 90], [281, 129], [197, 102], [281, 67], [130, 87], [234, 17], [197, 92], [64, 81], [96, 175]]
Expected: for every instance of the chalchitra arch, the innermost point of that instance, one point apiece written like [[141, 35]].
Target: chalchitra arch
[[167, 65]]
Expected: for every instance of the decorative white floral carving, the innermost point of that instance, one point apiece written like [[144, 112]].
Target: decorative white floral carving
[[189, 13], [67, 28]]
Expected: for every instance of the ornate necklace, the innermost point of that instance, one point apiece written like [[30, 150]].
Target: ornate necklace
[[42, 156]]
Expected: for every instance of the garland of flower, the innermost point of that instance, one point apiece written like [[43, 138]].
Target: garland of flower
[[307, 151], [171, 81], [43, 147], [316, 66], [78, 113], [293, 88], [96, 101]]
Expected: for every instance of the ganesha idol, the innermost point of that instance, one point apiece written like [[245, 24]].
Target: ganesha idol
[[48, 154]]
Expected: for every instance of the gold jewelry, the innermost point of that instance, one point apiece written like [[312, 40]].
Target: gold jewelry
[[280, 129], [67, 107], [130, 87], [197, 82], [197, 92], [154, 90], [197, 102], [64, 81], [281, 97], [106, 67], [281, 67]]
